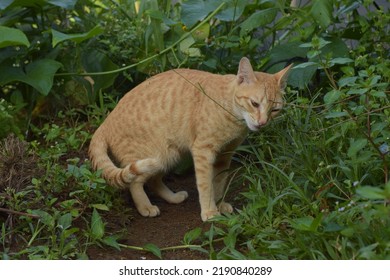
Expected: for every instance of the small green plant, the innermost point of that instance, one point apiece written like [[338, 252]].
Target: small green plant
[[52, 200], [317, 178]]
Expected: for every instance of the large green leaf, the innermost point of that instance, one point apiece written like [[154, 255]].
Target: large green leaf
[[193, 11], [96, 62], [356, 146], [287, 51], [21, 3], [12, 37], [44, 217], [332, 96], [59, 37], [5, 3], [336, 48], [371, 192], [301, 77], [38, 74], [66, 4], [233, 10], [321, 11], [258, 19], [97, 225]]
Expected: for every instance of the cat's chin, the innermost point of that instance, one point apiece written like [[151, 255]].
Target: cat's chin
[[253, 127]]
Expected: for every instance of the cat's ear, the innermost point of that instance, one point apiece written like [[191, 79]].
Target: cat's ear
[[282, 76], [245, 72]]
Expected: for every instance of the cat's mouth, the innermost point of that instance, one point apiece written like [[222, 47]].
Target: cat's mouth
[[254, 127], [252, 124]]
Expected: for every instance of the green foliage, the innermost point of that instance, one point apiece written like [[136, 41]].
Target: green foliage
[[8, 119], [59, 217], [317, 178]]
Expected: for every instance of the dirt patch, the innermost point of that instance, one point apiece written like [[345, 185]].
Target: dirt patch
[[18, 166], [166, 230]]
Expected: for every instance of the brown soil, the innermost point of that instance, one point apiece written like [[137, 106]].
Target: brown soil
[[166, 230]]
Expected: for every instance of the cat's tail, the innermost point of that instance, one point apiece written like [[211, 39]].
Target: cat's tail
[[115, 176]]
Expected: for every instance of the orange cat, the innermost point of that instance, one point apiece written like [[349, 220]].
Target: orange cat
[[179, 111]]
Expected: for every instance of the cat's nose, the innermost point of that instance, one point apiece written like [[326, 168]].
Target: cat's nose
[[261, 123]]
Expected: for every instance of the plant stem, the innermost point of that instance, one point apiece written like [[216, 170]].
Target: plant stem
[[162, 249], [217, 10], [18, 213], [131, 247]]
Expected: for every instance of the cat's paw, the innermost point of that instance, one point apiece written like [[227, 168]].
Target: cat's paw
[[207, 215], [149, 210], [225, 207], [178, 197]]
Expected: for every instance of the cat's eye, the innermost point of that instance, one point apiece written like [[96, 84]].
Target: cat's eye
[[254, 104], [274, 110]]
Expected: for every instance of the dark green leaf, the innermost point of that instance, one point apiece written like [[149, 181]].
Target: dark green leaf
[[348, 81], [303, 224], [371, 192], [301, 77], [45, 217], [190, 236], [21, 3], [356, 146], [5, 3], [332, 115], [12, 37], [321, 11], [335, 47], [332, 96], [358, 91], [153, 249], [59, 37], [97, 225], [100, 207], [65, 221], [112, 241], [306, 64], [233, 10], [341, 60], [258, 19], [38, 74], [193, 11], [66, 4], [95, 62], [349, 232]]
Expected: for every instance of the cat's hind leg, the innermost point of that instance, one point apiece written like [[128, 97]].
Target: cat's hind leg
[[159, 188], [141, 200], [144, 170]]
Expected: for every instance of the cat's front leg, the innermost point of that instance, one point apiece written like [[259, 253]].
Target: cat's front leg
[[204, 172], [222, 172]]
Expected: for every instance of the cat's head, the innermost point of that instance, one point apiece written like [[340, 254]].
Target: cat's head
[[258, 96]]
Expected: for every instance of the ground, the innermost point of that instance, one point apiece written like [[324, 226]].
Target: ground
[[163, 231], [166, 230]]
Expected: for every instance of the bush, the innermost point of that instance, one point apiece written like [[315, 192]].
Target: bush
[[317, 177]]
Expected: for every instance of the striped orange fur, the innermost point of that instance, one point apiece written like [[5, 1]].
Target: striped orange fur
[[178, 111]]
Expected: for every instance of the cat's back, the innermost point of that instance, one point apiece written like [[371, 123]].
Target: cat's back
[[166, 102], [171, 81], [168, 92]]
